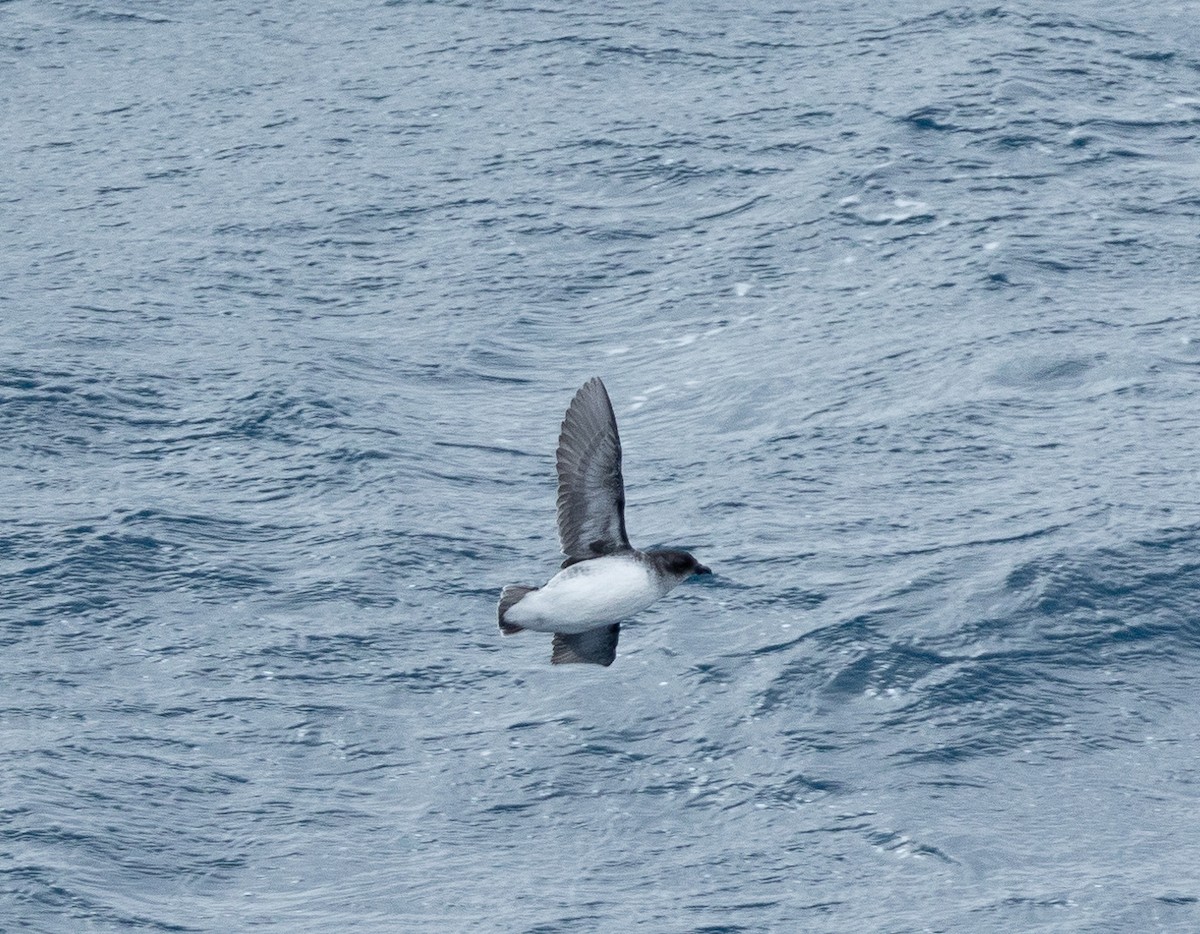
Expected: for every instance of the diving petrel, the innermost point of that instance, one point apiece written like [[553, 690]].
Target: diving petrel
[[604, 579]]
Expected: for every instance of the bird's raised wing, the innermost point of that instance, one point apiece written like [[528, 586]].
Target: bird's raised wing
[[591, 491]]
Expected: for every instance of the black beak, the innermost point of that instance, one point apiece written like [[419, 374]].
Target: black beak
[[701, 569]]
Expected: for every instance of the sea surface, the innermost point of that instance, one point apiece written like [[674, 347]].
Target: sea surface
[[899, 308]]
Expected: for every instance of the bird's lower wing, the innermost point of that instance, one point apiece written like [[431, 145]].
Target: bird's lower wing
[[591, 647]]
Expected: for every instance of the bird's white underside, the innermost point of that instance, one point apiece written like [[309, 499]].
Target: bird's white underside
[[590, 594]]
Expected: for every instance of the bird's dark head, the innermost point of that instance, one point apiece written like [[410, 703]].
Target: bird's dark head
[[678, 563]]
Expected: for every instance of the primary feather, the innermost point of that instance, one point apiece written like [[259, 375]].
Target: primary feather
[[591, 490]]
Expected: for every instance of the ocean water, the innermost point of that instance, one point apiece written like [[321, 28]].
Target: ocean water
[[898, 307]]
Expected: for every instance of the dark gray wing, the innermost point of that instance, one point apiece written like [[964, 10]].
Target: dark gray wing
[[593, 647], [591, 491]]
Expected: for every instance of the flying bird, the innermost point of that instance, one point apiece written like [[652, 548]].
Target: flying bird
[[603, 579]]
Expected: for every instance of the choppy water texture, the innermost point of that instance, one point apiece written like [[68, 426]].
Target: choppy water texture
[[897, 304]]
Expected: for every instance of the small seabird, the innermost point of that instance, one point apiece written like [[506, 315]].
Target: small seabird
[[604, 579]]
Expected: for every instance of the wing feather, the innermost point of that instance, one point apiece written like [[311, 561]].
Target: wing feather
[[591, 490], [591, 647]]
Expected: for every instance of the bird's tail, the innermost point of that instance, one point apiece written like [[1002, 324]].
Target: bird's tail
[[510, 596]]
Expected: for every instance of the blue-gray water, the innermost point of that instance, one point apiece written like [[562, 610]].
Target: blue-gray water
[[898, 307]]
